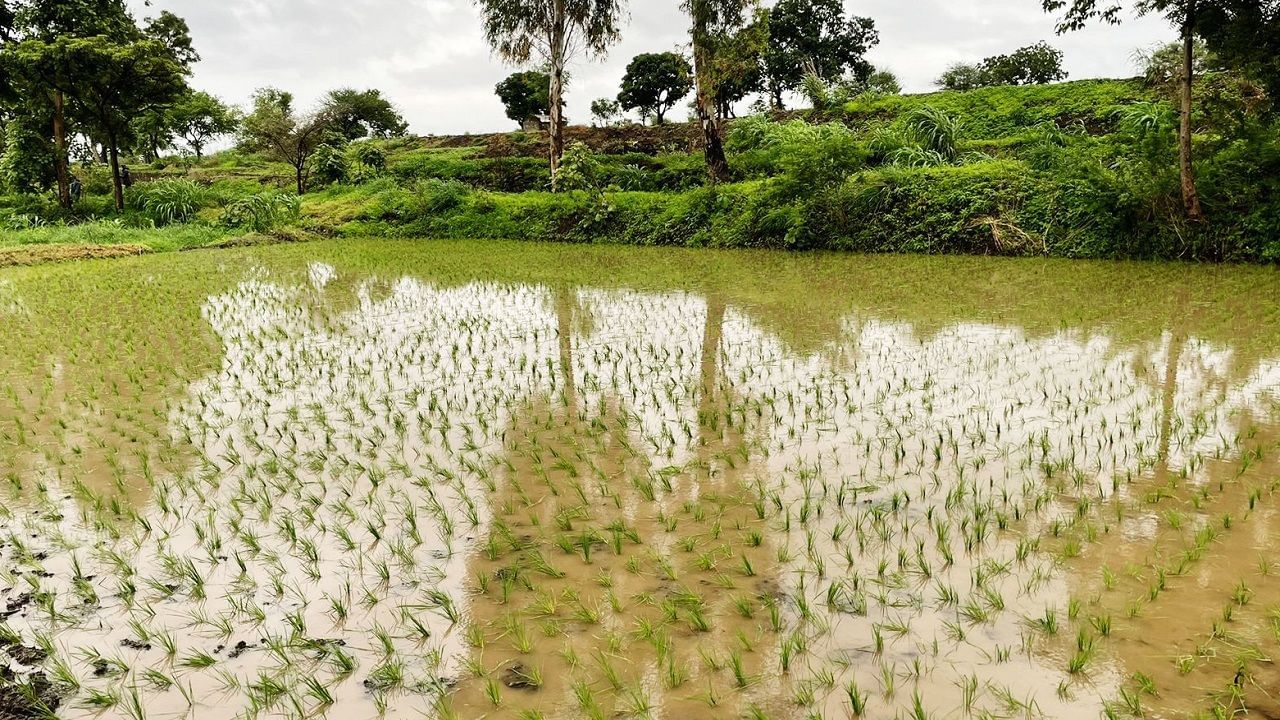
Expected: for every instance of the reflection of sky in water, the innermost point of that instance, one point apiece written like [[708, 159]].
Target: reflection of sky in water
[[991, 395], [408, 390]]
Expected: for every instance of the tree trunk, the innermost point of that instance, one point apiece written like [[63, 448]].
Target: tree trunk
[[116, 182], [717, 163], [199, 152], [556, 94], [302, 181], [564, 304], [60, 150], [1190, 195]]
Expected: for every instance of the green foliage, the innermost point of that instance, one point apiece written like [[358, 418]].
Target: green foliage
[[815, 36], [199, 118], [330, 162], [654, 83], [357, 114], [168, 202], [579, 169], [525, 95], [1004, 112], [1037, 64], [605, 111], [277, 130], [812, 156], [262, 212], [27, 163]]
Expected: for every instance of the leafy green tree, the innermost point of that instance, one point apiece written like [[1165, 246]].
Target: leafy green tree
[[1186, 15], [33, 70], [115, 82], [1245, 36], [605, 111], [200, 118], [815, 35], [655, 82], [738, 63], [525, 95], [275, 128], [154, 133], [555, 31], [1162, 65], [1037, 64], [962, 77], [883, 82], [358, 114], [173, 32], [711, 20]]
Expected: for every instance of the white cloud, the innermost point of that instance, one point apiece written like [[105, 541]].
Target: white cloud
[[430, 58]]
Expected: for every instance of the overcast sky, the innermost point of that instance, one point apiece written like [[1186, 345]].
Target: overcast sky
[[429, 57]]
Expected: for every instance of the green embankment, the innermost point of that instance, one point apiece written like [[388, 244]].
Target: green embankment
[[1085, 169]]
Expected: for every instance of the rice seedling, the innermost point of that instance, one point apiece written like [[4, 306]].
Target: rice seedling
[[734, 498]]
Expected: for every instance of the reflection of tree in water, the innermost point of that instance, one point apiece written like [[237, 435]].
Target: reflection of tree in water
[[614, 584]]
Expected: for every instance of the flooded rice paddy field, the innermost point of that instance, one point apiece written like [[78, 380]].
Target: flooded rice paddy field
[[466, 480]]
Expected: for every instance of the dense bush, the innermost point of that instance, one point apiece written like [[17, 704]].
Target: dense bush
[[168, 202], [262, 212]]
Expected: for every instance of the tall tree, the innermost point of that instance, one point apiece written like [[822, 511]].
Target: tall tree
[[738, 64], [711, 20], [525, 95], [116, 82], [555, 31], [655, 82], [276, 128], [1186, 15], [199, 118], [33, 66], [816, 34], [358, 114]]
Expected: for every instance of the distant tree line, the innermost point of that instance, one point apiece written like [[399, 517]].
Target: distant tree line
[[738, 49], [87, 80]]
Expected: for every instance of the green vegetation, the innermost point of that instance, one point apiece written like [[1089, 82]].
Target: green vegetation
[[718, 484]]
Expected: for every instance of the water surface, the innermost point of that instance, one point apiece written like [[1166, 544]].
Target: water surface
[[527, 481]]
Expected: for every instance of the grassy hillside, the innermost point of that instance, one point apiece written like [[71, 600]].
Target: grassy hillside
[[1082, 169]]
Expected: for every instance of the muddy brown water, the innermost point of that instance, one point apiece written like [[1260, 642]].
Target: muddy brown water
[[362, 479]]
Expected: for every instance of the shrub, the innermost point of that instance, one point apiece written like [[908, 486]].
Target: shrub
[[167, 202], [262, 212]]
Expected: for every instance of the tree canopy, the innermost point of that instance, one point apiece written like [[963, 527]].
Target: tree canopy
[[199, 118], [358, 114], [655, 82], [276, 128], [816, 36], [1037, 64], [525, 95]]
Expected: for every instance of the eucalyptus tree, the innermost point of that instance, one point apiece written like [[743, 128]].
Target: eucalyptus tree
[[711, 20], [1186, 15], [553, 32]]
